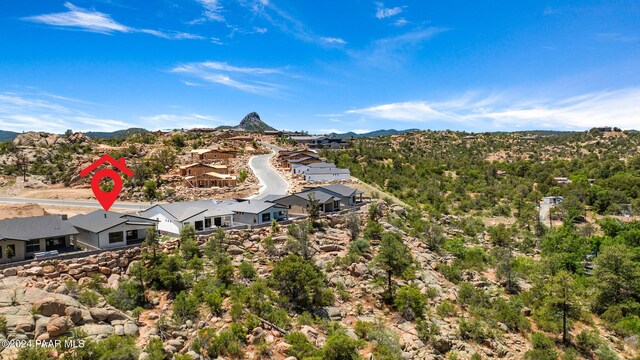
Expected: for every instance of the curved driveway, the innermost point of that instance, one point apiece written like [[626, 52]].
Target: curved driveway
[[272, 183]]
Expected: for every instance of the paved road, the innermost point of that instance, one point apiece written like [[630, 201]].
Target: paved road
[[272, 182], [91, 204]]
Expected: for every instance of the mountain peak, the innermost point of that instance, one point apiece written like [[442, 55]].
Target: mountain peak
[[252, 122]]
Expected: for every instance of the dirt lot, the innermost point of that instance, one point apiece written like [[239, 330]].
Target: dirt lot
[[36, 189], [26, 210]]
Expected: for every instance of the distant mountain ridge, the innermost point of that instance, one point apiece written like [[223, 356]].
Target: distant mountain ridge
[[372, 133], [118, 134], [7, 135]]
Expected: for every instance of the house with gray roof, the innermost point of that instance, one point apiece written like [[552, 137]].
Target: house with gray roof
[[299, 203], [107, 229], [203, 215], [23, 237], [348, 196], [256, 212]]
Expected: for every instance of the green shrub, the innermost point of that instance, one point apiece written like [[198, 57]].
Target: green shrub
[[230, 342], [605, 353], [410, 302], [509, 314], [340, 347], [88, 298], [373, 230], [247, 271], [300, 346], [427, 331], [450, 272], [301, 282], [155, 349], [214, 300], [127, 296], [540, 355], [35, 353], [3, 325], [540, 341], [184, 307], [473, 330], [116, 347], [446, 309], [587, 341]]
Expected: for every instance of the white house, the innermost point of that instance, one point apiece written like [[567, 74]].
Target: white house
[[107, 229], [203, 215], [327, 174], [301, 168]]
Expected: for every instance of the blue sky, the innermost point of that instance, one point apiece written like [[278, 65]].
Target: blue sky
[[319, 66]]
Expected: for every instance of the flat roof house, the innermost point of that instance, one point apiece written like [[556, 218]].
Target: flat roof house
[[301, 168], [256, 212], [203, 215], [348, 196], [30, 235], [298, 203], [107, 229], [327, 174]]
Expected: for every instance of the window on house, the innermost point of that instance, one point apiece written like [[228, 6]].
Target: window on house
[[207, 222], [116, 237], [132, 234], [33, 246], [0, 252], [266, 217]]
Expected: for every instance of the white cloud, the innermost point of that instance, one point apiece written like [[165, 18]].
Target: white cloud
[[383, 12], [212, 10], [31, 112], [248, 79], [189, 83], [81, 18], [187, 121], [223, 66], [401, 22], [333, 40], [402, 111], [617, 37], [615, 108], [392, 51], [94, 21], [288, 24]]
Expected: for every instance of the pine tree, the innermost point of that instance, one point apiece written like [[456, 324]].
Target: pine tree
[[394, 257]]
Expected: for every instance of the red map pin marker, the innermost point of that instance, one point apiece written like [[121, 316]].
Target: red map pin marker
[[106, 199]]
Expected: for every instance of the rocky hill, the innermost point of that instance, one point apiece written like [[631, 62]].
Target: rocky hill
[[253, 123]]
